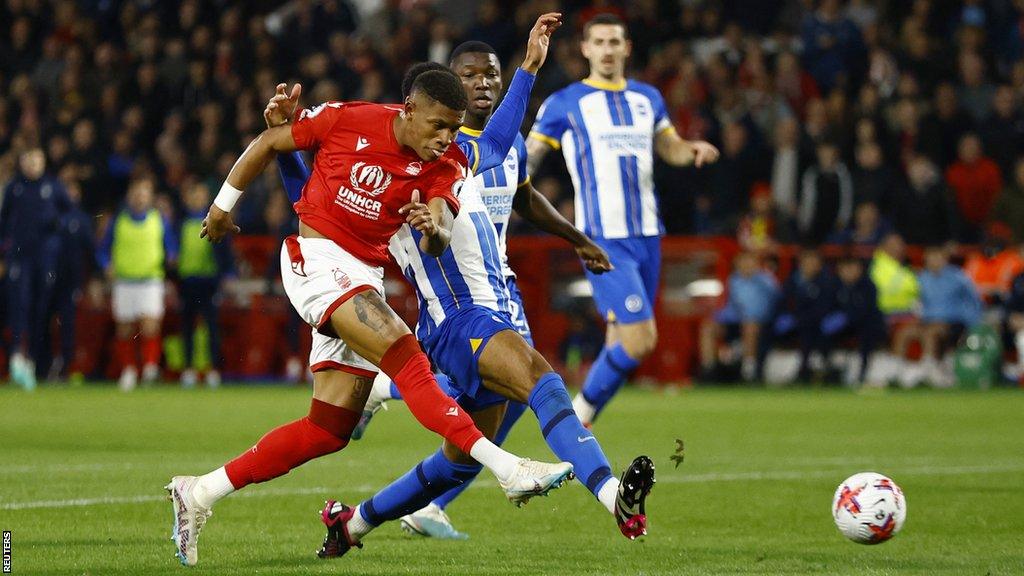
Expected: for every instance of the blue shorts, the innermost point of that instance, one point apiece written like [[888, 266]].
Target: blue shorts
[[627, 293], [455, 348], [515, 303]]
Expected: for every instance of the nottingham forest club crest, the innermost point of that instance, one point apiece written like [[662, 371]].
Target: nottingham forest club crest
[[369, 179]]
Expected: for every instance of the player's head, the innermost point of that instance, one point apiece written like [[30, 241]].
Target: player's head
[[32, 163], [434, 111], [810, 262], [935, 258], [477, 66], [414, 72], [140, 195], [850, 268], [606, 45]]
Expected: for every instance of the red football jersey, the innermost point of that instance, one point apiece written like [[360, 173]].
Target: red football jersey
[[362, 176]]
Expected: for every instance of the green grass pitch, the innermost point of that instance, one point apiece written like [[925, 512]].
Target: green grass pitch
[[82, 470]]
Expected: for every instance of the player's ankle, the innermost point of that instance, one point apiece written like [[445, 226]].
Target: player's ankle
[[501, 463]]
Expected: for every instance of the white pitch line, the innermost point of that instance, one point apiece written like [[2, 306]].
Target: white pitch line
[[710, 477]]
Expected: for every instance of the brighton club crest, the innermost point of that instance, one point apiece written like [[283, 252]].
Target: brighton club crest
[[369, 179]]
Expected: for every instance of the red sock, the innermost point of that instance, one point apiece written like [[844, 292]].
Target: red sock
[[150, 350], [408, 366], [324, 431], [124, 353]]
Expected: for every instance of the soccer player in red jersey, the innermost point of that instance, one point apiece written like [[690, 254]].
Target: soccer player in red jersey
[[376, 167]]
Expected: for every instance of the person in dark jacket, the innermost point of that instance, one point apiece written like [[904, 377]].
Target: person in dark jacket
[[808, 295], [33, 204], [826, 196], [856, 313], [77, 256], [924, 211]]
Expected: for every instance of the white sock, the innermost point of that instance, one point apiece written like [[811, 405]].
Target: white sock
[[357, 525], [382, 386], [585, 411], [498, 461], [212, 487], [607, 494]]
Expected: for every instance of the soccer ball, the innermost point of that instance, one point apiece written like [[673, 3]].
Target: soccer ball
[[869, 508]]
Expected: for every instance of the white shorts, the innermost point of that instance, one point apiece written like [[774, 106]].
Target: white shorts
[[137, 299], [319, 276]]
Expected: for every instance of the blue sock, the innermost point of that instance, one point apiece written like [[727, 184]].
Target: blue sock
[[512, 414], [443, 382], [427, 480], [607, 375], [564, 433]]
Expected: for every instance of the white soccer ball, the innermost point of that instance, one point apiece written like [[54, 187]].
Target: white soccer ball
[[869, 508]]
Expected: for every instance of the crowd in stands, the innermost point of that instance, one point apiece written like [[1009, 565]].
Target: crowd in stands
[[859, 123]]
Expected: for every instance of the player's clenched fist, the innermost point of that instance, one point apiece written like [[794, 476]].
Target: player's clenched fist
[[418, 216], [217, 225]]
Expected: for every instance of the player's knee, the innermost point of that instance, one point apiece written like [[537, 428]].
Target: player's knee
[[640, 342]]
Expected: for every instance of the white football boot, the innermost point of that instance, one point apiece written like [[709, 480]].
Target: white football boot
[[532, 478], [432, 522], [189, 518]]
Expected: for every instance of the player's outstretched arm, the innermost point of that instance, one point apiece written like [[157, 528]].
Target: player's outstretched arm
[[433, 220], [671, 148], [535, 208]]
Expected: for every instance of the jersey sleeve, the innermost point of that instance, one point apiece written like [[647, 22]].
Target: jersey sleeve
[[313, 124], [662, 121], [446, 183], [552, 121]]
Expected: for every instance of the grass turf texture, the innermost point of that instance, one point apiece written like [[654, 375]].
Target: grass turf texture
[[82, 471]]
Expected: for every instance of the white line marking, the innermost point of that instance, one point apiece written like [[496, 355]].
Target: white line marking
[[710, 477]]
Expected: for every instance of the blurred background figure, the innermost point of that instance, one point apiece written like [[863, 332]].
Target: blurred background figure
[[202, 269], [826, 196], [757, 230], [752, 297], [808, 296], [33, 205], [976, 182], [137, 246], [856, 316], [994, 266]]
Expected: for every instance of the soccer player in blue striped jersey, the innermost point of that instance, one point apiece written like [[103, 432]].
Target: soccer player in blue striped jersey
[[609, 129]]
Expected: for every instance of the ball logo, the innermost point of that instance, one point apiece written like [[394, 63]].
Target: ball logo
[[369, 178], [634, 303]]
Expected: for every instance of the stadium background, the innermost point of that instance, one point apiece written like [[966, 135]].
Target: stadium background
[[114, 91]]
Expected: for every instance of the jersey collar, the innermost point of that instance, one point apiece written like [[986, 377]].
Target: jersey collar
[[601, 85], [470, 132]]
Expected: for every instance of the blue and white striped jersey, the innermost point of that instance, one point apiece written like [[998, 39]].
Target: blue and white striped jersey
[[498, 187], [606, 133], [468, 273]]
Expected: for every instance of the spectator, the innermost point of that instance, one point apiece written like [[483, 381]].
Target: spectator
[[924, 211], [976, 182], [33, 205], [1003, 131], [137, 245], [867, 231], [786, 168], [897, 286], [1010, 205], [77, 252], [753, 293], [833, 47], [202, 266], [732, 176], [943, 128], [994, 267], [873, 181], [950, 305], [756, 230], [808, 295], [826, 196], [975, 90], [856, 314]]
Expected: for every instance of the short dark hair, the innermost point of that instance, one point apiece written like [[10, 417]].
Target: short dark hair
[[443, 86], [414, 71], [471, 46], [605, 18]]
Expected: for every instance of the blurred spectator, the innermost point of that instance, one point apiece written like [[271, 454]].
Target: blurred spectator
[[826, 196], [137, 245], [77, 252], [33, 205], [993, 268], [924, 210], [950, 305], [808, 296], [202, 267], [1010, 205], [752, 297], [942, 129], [975, 90], [873, 181], [896, 283], [756, 230], [833, 47], [867, 231], [1003, 131], [786, 169], [856, 314], [732, 177], [976, 182]]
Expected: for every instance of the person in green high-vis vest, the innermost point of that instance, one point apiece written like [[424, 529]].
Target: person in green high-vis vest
[[202, 267], [136, 247]]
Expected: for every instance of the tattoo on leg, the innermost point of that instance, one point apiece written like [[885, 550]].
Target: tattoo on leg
[[361, 388], [372, 311]]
